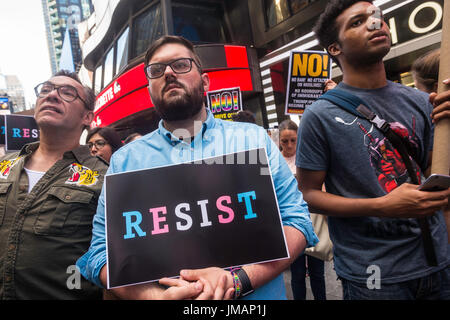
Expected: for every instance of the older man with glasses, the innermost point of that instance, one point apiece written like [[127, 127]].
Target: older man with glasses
[[49, 197]]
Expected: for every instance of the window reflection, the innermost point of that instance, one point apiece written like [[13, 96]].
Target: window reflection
[[146, 28], [198, 23], [108, 73], [122, 51], [297, 5], [279, 10], [98, 80]]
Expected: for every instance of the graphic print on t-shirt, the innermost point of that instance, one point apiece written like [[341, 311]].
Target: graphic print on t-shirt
[[384, 158]]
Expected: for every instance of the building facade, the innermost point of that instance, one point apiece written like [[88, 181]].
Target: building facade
[[242, 43], [61, 18], [12, 95]]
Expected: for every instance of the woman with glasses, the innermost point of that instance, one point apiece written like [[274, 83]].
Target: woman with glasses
[[103, 142]]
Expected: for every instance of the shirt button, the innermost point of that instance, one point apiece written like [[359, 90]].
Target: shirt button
[[23, 188], [68, 197]]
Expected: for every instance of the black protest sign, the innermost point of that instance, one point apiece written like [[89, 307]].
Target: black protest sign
[[224, 103], [214, 212], [308, 70], [2, 132], [20, 130]]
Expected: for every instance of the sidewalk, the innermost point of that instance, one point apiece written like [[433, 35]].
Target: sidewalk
[[332, 285]]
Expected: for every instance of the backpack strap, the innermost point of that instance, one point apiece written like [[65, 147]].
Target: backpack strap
[[355, 106]]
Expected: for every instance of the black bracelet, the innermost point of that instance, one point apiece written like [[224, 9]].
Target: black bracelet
[[246, 288]]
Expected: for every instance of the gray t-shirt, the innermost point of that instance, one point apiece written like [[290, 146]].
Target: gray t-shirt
[[361, 163]]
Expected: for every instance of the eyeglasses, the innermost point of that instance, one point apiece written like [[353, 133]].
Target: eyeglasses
[[66, 92], [156, 70], [97, 143]]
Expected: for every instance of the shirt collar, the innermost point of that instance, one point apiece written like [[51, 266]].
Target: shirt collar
[[207, 124], [81, 153]]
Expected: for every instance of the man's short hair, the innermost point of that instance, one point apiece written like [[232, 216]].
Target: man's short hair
[[243, 116], [88, 92], [287, 125], [171, 39], [325, 29]]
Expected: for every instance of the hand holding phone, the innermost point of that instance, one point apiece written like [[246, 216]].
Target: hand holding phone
[[436, 182]]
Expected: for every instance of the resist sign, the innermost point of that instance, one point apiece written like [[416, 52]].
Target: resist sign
[[20, 130], [190, 216]]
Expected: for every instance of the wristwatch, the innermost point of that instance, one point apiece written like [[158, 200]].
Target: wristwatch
[[246, 285]]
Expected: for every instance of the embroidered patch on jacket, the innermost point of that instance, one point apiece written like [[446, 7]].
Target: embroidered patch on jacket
[[82, 176], [6, 165]]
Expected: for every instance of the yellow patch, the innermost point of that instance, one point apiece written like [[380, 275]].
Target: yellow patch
[[82, 176], [6, 165]]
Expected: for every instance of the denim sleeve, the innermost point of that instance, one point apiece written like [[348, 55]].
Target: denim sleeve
[[94, 259], [293, 209]]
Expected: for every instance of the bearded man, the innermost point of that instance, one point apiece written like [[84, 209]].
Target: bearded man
[[188, 132]]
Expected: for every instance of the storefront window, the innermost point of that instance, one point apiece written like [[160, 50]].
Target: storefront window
[[147, 27], [276, 11], [199, 22], [98, 80], [122, 51], [279, 10], [108, 74], [298, 5]]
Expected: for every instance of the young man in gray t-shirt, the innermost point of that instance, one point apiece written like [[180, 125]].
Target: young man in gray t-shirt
[[371, 204]]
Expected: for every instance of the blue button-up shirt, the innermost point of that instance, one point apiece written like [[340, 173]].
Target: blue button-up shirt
[[215, 137]]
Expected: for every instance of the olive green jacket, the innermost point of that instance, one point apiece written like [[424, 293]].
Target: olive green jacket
[[44, 232]]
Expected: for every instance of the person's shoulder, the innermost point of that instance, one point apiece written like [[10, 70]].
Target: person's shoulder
[[9, 156], [408, 91], [319, 109], [149, 140], [236, 125]]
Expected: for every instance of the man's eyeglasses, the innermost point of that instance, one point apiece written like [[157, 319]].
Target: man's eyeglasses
[[98, 144], [156, 70], [66, 92]]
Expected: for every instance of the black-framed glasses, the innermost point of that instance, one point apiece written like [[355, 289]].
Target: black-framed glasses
[[66, 92], [97, 143], [182, 65]]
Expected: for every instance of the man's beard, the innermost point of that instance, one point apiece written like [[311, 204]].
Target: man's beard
[[181, 107]]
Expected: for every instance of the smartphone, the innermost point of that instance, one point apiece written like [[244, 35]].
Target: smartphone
[[435, 182]]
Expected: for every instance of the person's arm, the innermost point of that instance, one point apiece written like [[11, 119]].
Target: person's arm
[[406, 201], [441, 104], [178, 289], [259, 274], [329, 85]]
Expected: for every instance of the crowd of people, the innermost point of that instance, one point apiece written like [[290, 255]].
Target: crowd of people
[[336, 165]]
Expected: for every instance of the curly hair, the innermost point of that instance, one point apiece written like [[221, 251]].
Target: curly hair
[[326, 29]]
